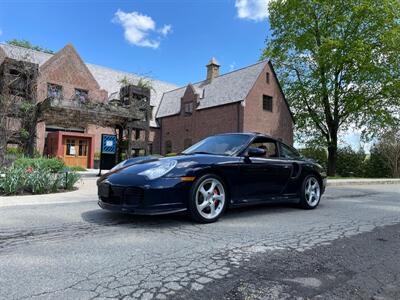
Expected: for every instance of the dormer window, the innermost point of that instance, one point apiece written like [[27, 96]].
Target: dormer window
[[188, 108]]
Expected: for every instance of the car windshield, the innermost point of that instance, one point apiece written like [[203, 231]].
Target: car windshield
[[227, 144]]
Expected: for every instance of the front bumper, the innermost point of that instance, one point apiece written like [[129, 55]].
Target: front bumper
[[162, 196]]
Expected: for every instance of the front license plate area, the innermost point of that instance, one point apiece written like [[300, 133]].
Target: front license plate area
[[104, 190]]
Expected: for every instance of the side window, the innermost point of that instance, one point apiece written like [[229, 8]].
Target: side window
[[268, 145], [288, 152]]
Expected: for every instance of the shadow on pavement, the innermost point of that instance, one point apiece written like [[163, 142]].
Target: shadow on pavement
[[108, 218]]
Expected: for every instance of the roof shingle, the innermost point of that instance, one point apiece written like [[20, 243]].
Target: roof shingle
[[227, 88]]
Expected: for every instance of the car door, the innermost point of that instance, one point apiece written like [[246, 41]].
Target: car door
[[263, 178], [291, 156]]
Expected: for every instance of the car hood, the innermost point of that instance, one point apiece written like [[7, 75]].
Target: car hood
[[186, 164]]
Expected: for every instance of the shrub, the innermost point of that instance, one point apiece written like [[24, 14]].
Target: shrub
[[70, 179], [319, 155], [376, 165], [12, 181], [43, 182], [77, 169], [97, 155], [53, 164], [350, 163], [15, 151], [17, 180]]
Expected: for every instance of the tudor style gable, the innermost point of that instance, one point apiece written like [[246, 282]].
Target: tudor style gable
[[66, 75], [266, 109], [189, 100]]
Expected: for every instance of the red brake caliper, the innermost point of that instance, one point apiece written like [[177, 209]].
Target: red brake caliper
[[216, 192]]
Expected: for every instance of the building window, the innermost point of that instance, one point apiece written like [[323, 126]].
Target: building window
[[151, 148], [187, 143], [267, 103], [70, 145], [54, 91], [81, 95], [83, 147], [168, 147], [188, 108], [267, 77]]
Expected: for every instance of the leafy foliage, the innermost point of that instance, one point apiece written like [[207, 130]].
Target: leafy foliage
[[350, 163], [77, 168], [339, 65], [318, 155], [54, 165], [70, 179], [389, 148], [21, 180], [376, 165], [27, 44]]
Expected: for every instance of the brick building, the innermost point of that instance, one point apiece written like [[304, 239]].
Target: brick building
[[65, 75], [249, 99], [246, 100]]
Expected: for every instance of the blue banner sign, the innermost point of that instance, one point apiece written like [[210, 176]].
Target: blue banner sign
[[109, 144]]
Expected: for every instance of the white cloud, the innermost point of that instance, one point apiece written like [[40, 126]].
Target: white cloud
[[255, 10], [165, 30], [232, 66], [1, 32], [140, 30]]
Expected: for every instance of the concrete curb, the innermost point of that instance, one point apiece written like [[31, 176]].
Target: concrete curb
[[91, 173], [362, 181]]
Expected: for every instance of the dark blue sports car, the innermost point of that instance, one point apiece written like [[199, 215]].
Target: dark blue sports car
[[221, 171]]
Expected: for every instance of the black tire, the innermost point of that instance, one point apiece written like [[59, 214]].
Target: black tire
[[192, 207], [305, 201]]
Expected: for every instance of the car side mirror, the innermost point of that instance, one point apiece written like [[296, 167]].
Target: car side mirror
[[256, 152]]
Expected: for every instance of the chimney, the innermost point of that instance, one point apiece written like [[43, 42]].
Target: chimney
[[212, 69]]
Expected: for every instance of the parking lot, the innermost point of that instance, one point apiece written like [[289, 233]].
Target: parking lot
[[72, 249]]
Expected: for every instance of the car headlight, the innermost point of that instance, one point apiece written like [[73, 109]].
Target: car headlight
[[162, 168]]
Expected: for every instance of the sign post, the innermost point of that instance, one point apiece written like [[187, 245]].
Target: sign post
[[108, 154]]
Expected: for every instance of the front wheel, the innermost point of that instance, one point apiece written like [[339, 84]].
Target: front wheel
[[208, 199], [310, 192]]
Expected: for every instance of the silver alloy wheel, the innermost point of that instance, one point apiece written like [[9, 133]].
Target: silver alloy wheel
[[210, 198], [312, 191]]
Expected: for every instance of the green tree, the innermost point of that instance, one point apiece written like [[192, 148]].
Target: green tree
[[317, 154], [339, 64], [377, 166], [350, 163], [27, 44]]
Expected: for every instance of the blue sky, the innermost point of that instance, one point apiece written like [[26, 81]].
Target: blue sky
[[170, 40]]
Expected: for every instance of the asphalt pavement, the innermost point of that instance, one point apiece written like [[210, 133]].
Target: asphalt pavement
[[348, 248]]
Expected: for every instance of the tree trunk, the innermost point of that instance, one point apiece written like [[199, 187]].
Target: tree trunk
[[332, 154]]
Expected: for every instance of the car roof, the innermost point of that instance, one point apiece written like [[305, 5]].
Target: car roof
[[252, 134]]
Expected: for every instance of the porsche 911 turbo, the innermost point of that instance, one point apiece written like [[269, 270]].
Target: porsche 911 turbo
[[219, 172]]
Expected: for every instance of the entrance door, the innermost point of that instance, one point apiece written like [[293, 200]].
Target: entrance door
[[76, 151]]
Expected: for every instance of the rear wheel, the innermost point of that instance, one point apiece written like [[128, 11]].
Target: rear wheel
[[310, 192], [208, 199]]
